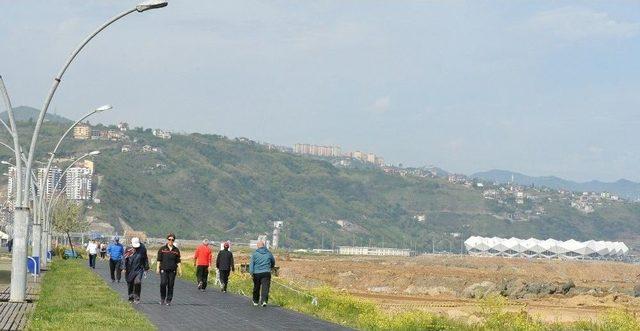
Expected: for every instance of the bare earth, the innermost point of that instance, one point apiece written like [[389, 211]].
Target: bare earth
[[436, 283]]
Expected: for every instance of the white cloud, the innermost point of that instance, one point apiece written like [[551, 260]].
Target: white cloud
[[575, 24], [381, 105]]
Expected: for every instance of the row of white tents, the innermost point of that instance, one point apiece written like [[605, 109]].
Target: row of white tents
[[550, 248]]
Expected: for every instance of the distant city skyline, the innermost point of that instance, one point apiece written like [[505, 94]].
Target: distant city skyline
[[540, 88]]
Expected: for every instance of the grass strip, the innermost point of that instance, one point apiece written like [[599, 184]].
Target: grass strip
[[73, 297], [345, 309]]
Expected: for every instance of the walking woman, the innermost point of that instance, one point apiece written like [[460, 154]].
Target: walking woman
[[136, 263]]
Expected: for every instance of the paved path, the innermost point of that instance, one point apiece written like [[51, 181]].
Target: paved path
[[211, 310]]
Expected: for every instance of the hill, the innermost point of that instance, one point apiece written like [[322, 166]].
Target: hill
[[202, 185], [624, 188], [26, 113]]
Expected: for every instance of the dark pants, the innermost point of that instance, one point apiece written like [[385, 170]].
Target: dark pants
[[103, 255], [202, 273], [167, 279], [92, 260], [115, 267], [261, 283], [224, 278], [134, 288]]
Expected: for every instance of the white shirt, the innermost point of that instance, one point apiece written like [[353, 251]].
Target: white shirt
[[92, 248]]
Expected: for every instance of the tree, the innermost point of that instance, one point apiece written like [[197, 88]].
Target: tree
[[66, 219]]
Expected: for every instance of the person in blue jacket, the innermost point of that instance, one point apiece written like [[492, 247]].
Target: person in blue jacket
[[260, 265], [115, 251]]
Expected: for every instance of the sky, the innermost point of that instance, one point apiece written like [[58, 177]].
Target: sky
[[542, 88]]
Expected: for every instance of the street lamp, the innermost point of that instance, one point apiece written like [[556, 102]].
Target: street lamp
[[21, 215], [40, 249], [151, 4]]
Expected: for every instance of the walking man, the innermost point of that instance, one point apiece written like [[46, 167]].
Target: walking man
[[224, 264], [92, 249], [202, 262], [168, 265], [116, 251], [136, 264], [260, 265]]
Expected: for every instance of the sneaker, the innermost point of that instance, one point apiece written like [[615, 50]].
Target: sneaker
[[199, 285], [135, 302], [264, 304], [167, 303], [255, 304], [161, 302], [130, 300]]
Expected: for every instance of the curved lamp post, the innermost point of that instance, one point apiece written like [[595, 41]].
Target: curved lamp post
[[40, 248], [21, 215]]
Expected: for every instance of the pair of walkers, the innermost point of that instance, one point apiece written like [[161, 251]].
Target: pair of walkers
[[202, 260], [135, 264]]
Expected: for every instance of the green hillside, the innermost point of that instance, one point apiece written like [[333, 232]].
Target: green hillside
[[201, 185]]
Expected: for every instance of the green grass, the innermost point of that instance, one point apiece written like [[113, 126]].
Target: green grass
[[75, 298]]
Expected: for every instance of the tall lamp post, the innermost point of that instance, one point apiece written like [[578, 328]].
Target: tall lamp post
[[21, 215], [40, 248]]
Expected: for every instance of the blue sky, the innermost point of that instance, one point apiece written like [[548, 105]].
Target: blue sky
[[544, 88]]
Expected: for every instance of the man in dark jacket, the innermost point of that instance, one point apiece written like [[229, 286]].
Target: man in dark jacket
[[260, 265], [168, 266], [224, 264], [136, 263]]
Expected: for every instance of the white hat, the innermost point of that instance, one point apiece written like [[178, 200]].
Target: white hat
[[135, 242]]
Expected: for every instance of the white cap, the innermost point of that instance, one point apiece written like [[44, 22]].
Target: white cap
[[135, 242]]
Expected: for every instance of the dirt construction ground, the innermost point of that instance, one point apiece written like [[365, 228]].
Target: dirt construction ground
[[448, 284]]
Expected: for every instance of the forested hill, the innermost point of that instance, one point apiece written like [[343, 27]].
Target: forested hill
[[201, 185]]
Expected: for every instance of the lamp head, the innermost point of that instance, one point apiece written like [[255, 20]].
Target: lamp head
[[103, 108], [151, 4], [6, 162], [94, 153]]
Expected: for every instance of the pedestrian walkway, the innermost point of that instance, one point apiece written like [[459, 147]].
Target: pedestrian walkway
[[211, 310]]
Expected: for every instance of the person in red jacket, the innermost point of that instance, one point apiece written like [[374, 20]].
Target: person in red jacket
[[202, 262]]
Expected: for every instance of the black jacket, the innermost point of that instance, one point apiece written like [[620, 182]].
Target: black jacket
[[136, 262], [168, 258], [224, 261]]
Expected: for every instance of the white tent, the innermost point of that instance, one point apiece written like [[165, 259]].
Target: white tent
[[550, 248]]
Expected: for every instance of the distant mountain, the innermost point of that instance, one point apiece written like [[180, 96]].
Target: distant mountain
[[623, 187], [25, 113]]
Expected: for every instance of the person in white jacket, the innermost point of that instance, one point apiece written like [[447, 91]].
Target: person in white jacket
[[92, 250]]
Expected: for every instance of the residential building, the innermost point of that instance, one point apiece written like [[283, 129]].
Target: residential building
[[378, 251], [161, 134], [88, 164], [78, 181], [82, 131], [326, 151], [53, 181], [123, 126]]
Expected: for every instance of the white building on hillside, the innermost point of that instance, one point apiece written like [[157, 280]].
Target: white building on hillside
[[78, 181]]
